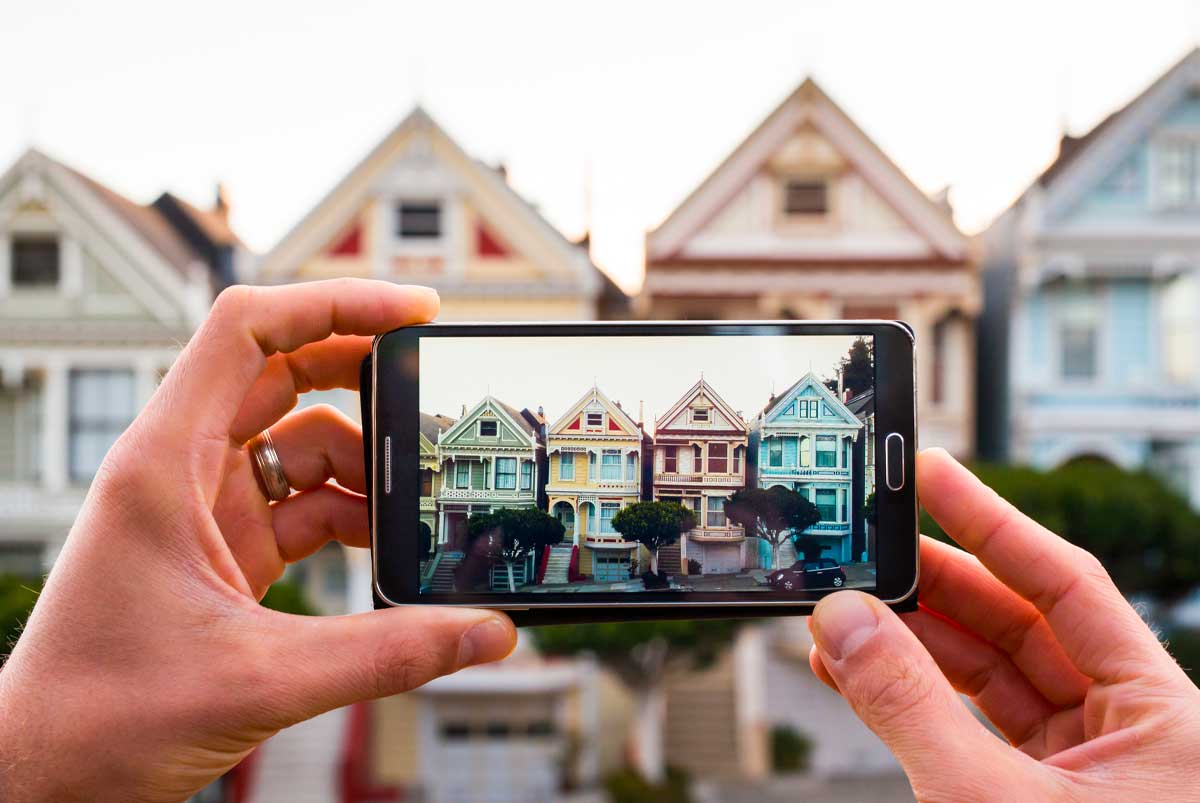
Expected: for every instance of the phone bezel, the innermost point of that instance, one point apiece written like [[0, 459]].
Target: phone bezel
[[395, 573]]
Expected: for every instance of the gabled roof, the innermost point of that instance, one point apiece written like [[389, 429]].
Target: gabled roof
[[808, 104], [809, 380], [862, 405], [613, 408], [432, 425], [335, 209], [1082, 160], [147, 222], [701, 387], [518, 421]]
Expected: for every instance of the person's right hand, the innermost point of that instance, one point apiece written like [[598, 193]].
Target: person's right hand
[[1034, 631]]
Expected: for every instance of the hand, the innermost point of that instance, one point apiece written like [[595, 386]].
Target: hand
[[148, 668], [1034, 631]]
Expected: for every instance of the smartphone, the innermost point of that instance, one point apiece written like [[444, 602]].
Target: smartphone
[[569, 472]]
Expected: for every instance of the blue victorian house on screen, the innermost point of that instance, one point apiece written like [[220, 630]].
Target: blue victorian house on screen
[[1089, 338]]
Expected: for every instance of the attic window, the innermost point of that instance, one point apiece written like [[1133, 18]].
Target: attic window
[[35, 262], [487, 429], [595, 419], [700, 415], [806, 198], [419, 221]]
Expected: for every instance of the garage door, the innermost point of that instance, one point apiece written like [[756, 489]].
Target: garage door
[[722, 559], [610, 567]]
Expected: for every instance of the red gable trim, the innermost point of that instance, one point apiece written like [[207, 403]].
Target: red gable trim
[[350, 243], [613, 426], [487, 244], [574, 424]]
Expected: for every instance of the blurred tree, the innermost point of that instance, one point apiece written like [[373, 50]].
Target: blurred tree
[[288, 597], [1147, 536], [790, 749], [809, 548], [640, 653], [512, 534], [772, 514], [654, 525], [17, 596], [857, 368]]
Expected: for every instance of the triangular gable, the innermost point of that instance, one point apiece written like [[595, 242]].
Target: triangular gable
[[809, 386], [464, 431], [1085, 161], [675, 418], [133, 247], [595, 400], [509, 223], [811, 107]]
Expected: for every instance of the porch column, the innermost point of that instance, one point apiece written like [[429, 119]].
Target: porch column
[[54, 424]]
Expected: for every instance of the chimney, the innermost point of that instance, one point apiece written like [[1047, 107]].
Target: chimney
[[464, 411], [641, 412], [541, 412], [841, 378], [221, 206], [502, 170]]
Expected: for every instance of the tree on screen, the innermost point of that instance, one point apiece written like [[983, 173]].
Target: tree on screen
[[654, 525], [772, 514], [510, 535]]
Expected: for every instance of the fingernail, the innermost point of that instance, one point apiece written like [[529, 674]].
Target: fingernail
[[842, 622], [490, 640]]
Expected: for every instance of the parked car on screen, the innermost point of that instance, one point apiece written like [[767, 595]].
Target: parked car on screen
[[822, 573]]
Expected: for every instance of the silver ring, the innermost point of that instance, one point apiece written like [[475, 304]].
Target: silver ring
[[268, 469]]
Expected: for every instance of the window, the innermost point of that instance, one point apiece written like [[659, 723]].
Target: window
[[670, 459], [812, 408], [526, 475], [827, 504], [22, 560], [631, 467], [737, 460], [1179, 172], [716, 511], [35, 262], [826, 451], [102, 406], [697, 460], [805, 197], [419, 221], [462, 475], [610, 465], [488, 429], [1078, 352], [775, 452], [718, 458], [700, 415], [21, 431], [506, 473], [566, 466], [1079, 333], [595, 420], [426, 482], [607, 511], [591, 465], [804, 409], [805, 451]]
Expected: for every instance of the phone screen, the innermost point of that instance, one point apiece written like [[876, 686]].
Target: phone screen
[[593, 466]]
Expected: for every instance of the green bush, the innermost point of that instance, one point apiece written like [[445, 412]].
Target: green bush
[[17, 595], [626, 786], [1147, 536], [288, 597], [790, 749]]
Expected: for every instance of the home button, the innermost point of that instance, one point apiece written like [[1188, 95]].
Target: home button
[[893, 461]]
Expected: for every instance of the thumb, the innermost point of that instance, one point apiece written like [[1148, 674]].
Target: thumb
[[333, 661], [896, 688]]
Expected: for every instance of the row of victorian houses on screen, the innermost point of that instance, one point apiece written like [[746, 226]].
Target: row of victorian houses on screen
[[597, 458]]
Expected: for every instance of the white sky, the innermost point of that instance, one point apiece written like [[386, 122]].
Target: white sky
[[280, 99], [556, 372]]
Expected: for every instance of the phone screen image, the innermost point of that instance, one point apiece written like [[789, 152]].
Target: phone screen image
[[734, 464]]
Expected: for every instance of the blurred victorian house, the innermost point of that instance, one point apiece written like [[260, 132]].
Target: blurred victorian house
[[808, 218], [97, 292], [1090, 321]]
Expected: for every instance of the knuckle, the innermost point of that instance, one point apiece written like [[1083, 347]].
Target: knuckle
[[896, 690], [232, 301], [405, 664]]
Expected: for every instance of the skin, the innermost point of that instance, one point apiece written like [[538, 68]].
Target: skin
[[1032, 629], [148, 668]]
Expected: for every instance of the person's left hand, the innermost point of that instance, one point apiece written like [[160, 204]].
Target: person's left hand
[[148, 668]]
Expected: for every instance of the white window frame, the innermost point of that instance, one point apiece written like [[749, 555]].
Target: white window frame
[[700, 415], [491, 421], [565, 460], [587, 420]]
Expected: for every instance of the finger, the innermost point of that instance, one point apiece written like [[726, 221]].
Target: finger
[[335, 661], [990, 678], [318, 444], [1097, 628], [957, 586], [895, 687], [210, 381], [331, 363], [307, 521], [818, 667]]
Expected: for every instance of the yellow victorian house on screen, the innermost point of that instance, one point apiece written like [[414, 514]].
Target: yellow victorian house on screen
[[596, 455]]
